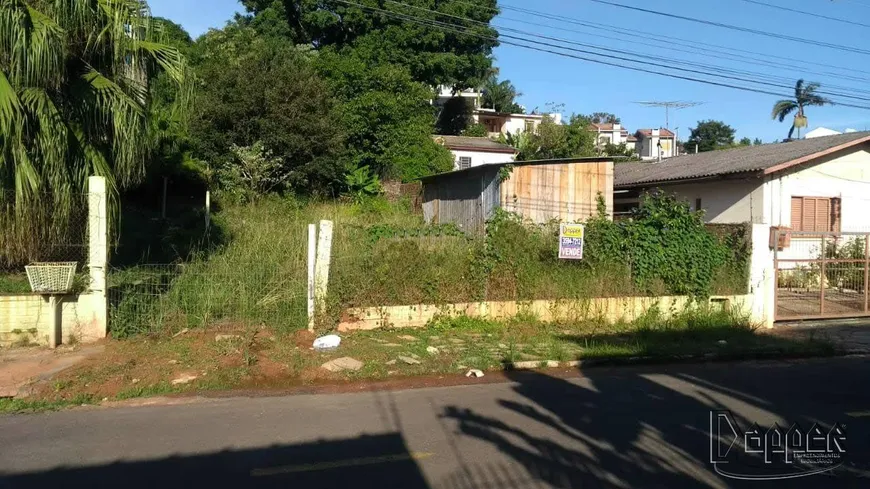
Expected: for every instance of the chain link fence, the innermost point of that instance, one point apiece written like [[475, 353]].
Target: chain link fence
[[43, 228]]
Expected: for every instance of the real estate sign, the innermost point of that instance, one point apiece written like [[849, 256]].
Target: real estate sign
[[571, 237]]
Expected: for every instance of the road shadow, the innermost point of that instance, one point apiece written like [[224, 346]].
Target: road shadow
[[376, 462], [644, 427]]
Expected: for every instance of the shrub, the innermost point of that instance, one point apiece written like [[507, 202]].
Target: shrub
[[663, 241]]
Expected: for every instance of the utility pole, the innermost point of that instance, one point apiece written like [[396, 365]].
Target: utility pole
[[676, 105]]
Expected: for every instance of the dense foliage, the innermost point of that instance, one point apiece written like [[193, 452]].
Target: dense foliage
[[431, 56], [74, 93], [501, 96], [552, 140], [664, 242], [710, 136], [262, 90]]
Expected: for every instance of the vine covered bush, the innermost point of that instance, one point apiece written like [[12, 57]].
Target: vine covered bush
[[663, 242]]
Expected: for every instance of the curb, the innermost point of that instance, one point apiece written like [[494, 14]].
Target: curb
[[703, 358]]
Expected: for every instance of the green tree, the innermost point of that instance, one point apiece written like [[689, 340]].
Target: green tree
[[551, 140], [621, 150], [757, 142], [386, 115], [170, 102], [745, 142], [476, 130], [75, 83], [501, 96], [263, 93], [433, 56], [604, 118], [711, 135], [804, 96], [455, 117]]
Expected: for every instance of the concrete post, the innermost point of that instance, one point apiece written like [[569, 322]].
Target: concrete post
[[55, 322], [321, 267], [312, 258], [762, 277], [98, 249]]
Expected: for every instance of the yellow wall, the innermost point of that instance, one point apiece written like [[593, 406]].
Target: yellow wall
[[610, 310], [28, 318]]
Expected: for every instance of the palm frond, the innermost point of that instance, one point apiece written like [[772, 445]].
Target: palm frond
[[783, 108], [798, 88], [10, 106]]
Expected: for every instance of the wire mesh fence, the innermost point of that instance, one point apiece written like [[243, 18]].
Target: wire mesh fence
[[162, 298], [46, 227]]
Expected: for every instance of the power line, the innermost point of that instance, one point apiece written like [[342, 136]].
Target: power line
[[811, 42], [452, 28], [671, 39], [718, 70], [804, 12], [699, 51]]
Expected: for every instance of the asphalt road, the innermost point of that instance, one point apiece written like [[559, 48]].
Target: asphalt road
[[612, 428]]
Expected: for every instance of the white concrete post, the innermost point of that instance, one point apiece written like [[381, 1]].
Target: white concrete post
[[321, 267], [207, 209], [98, 248], [312, 257], [762, 279]]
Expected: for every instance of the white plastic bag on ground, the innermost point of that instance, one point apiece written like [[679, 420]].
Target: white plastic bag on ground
[[327, 342]]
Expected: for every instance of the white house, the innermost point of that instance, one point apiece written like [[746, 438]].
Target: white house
[[607, 133], [469, 151], [821, 132], [502, 123], [654, 143], [798, 188]]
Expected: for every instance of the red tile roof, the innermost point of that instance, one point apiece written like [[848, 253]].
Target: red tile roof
[[648, 133]]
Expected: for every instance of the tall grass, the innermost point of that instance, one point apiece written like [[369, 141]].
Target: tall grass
[[383, 254]]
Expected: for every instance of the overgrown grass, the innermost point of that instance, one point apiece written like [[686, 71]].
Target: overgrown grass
[[383, 254], [15, 283]]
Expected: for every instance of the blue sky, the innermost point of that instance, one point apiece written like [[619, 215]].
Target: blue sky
[[585, 87]]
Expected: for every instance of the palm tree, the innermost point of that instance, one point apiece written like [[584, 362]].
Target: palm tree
[[75, 79], [804, 96], [500, 96]]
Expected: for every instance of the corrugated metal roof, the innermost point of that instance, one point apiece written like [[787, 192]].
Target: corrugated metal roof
[[738, 160], [470, 143]]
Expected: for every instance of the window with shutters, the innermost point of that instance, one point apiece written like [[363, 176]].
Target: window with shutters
[[464, 162], [815, 214]]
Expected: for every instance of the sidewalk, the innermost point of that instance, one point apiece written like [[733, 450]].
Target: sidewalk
[[850, 335], [22, 368]]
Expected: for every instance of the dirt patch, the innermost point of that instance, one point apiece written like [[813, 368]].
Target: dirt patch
[[23, 370]]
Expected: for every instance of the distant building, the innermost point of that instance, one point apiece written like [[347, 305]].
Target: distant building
[[607, 133], [469, 152], [821, 132], [652, 143], [496, 122]]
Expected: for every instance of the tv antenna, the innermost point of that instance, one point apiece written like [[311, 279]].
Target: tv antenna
[[676, 105]]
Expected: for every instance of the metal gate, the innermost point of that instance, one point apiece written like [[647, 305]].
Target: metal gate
[[821, 275]]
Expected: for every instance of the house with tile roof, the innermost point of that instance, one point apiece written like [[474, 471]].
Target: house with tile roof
[[651, 144], [803, 199], [471, 151]]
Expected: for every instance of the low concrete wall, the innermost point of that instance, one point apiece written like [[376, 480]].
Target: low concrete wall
[[605, 309], [28, 318]]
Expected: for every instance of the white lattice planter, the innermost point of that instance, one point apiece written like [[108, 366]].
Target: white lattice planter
[[51, 278]]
